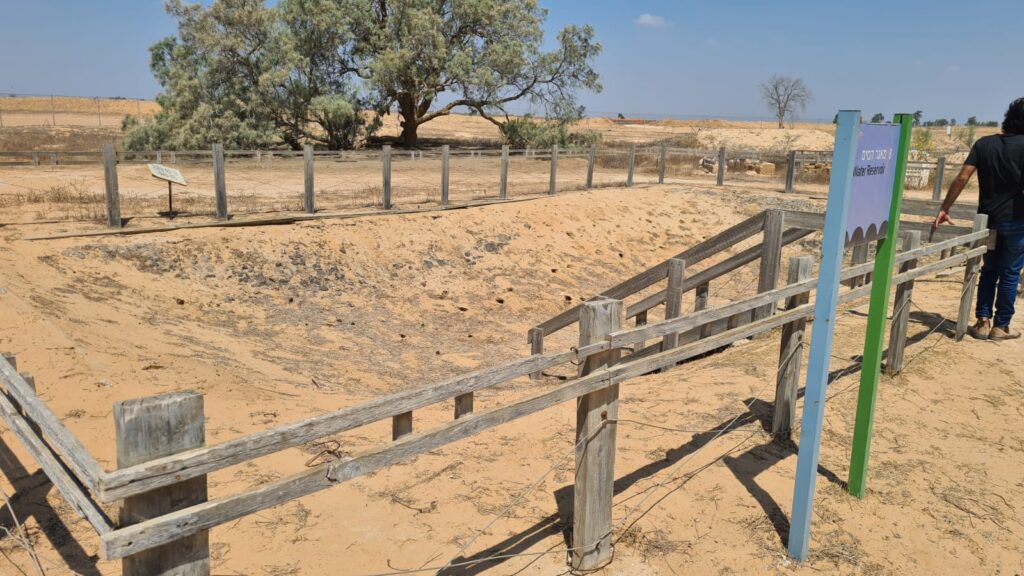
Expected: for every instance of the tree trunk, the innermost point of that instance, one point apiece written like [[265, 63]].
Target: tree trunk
[[409, 136], [407, 108]]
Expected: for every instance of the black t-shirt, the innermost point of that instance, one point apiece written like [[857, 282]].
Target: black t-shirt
[[1000, 162]]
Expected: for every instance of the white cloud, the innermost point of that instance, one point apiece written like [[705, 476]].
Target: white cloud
[[651, 21]]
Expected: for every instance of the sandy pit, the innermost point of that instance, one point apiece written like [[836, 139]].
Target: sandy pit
[[274, 324]]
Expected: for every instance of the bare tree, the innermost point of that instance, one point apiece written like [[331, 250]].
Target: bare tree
[[785, 96]]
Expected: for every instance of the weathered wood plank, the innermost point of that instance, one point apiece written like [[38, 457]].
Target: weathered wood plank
[[591, 159], [463, 405], [715, 271], [651, 276], [673, 299], [701, 297], [790, 171], [771, 258], [401, 425], [150, 428], [901, 309], [503, 179], [596, 414], [164, 471], [220, 187], [385, 162], [787, 380], [63, 442], [61, 477], [553, 181], [721, 166], [445, 172], [309, 198], [110, 186], [971, 273]]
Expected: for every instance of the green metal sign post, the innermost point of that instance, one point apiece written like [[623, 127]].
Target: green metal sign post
[[881, 284]]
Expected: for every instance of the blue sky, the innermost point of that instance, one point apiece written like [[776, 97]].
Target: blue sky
[[661, 57]]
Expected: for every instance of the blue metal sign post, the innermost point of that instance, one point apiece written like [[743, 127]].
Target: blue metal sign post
[[827, 294]]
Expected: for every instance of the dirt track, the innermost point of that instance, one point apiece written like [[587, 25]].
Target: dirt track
[[275, 324]]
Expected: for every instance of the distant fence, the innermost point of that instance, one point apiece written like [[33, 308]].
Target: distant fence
[[246, 181], [17, 109], [163, 461]]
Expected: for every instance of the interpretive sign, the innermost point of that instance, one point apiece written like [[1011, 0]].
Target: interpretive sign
[[168, 174], [864, 200], [873, 173]]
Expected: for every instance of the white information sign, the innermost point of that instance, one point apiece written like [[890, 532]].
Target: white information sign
[[169, 174]]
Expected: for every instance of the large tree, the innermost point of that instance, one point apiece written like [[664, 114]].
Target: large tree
[[428, 58], [785, 96], [248, 75]]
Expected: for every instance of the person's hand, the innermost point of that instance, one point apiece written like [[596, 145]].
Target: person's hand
[[942, 218]]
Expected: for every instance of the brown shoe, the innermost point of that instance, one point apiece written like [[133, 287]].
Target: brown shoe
[[981, 329], [1004, 333]]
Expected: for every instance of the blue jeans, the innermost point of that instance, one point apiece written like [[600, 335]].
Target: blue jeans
[[1000, 273]]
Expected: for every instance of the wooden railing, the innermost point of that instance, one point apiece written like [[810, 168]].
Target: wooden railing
[[160, 439]]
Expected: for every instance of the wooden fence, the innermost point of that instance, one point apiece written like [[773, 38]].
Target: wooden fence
[[162, 461], [662, 159]]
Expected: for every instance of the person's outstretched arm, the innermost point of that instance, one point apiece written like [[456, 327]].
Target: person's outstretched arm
[[954, 192]]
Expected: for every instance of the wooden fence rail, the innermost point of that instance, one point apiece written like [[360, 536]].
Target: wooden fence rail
[[608, 353]]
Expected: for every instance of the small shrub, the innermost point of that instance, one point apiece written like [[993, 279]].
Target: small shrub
[[529, 132]]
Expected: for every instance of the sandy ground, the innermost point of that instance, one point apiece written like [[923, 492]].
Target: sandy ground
[[275, 324]]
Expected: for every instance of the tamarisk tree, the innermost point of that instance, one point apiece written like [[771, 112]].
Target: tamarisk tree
[[428, 58]]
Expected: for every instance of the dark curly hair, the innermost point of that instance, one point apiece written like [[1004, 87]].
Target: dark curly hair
[[1013, 123]]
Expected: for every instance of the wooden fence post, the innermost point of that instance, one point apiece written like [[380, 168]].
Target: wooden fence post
[[536, 338], [701, 294], [386, 185], [673, 299], [970, 280], [940, 175], [553, 184], [901, 309], [629, 165], [151, 428], [595, 443], [309, 200], [401, 425], [503, 181], [463, 405], [159, 156], [661, 165], [219, 183], [445, 159], [110, 186], [35, 158], [721, 166], [174, 157], [787, 379], [591, 159], [771, 259], [790, 171], [858, 255]]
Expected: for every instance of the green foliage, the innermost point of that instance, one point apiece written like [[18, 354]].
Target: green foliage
[[247, 76], [529, 132], [878, 118], [481, 54], [966, 136], [922, 140]]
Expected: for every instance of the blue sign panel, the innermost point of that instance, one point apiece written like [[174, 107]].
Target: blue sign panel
[[874, 171]]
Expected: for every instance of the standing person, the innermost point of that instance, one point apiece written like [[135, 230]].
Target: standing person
[[999, 162]]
